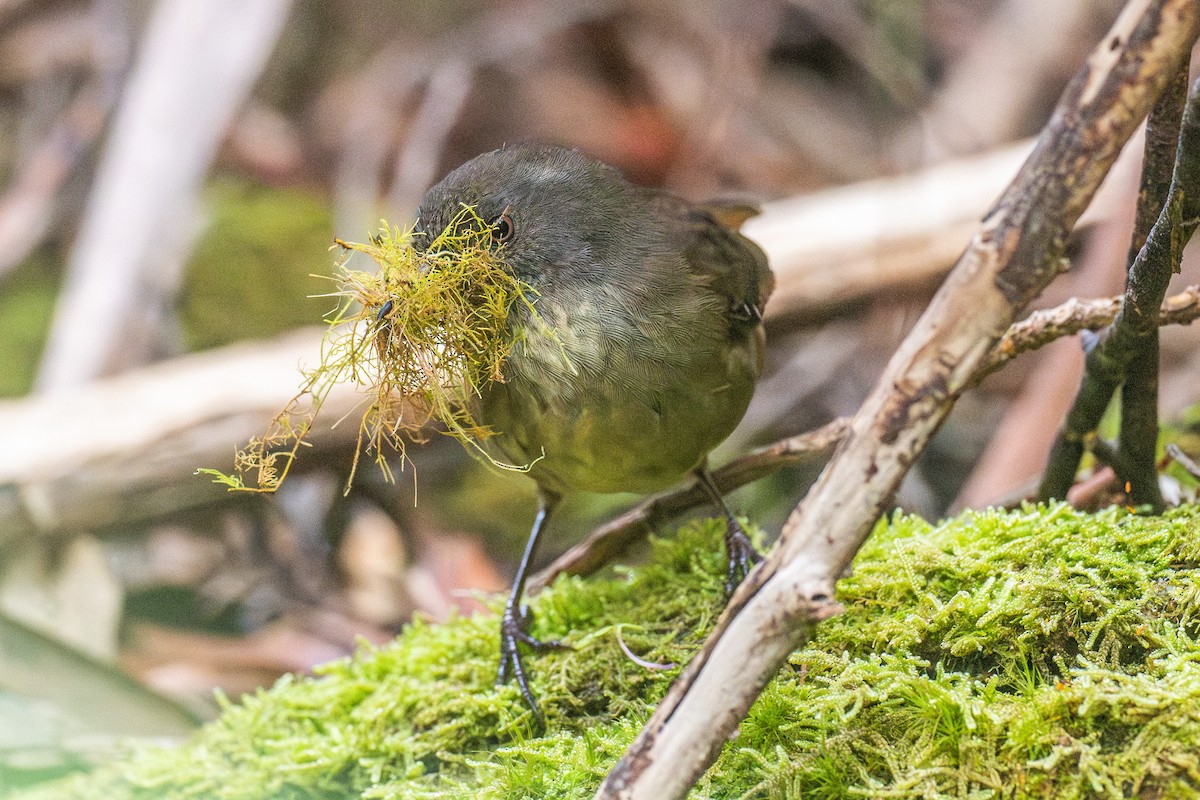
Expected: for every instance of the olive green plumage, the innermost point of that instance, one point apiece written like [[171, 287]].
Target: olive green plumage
[[648, 339]]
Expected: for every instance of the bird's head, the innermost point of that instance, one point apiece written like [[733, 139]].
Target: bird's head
[[547, 210]]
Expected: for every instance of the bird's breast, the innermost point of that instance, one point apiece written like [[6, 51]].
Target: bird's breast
[[601, 397]]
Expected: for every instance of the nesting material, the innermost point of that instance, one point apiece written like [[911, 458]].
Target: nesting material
[[422, 337]]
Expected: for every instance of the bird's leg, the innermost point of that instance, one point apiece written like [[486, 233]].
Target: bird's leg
[[741, 553], [514, 626]]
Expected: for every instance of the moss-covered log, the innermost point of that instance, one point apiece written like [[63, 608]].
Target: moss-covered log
[[1034, 653]]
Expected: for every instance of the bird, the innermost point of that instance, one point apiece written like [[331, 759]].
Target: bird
[[640, 352]]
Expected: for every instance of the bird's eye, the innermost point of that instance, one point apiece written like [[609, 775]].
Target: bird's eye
[[502, 228]]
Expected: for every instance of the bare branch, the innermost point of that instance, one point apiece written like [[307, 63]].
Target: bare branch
[[882, 234], [1018, 50], [1075, 315], [60, 471]]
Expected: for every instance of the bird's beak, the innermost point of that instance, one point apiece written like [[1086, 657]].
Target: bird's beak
[[384, 310]]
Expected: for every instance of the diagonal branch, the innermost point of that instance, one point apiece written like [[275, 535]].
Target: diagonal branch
[[1017, 251]]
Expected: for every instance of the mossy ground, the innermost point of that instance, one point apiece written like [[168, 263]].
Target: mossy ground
[[1035, 653]]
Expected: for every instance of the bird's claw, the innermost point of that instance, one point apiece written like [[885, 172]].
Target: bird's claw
[[742, 557], [513, 633]]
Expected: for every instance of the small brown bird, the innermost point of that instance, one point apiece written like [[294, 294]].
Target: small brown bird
[[647, 345]]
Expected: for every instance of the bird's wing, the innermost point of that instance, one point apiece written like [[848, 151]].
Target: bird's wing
[[732, 265]]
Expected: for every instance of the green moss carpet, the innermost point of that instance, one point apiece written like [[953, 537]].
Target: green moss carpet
[[1034, 653]]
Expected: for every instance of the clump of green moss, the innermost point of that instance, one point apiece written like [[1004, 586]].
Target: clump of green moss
[[1035, 653], [424, 335]]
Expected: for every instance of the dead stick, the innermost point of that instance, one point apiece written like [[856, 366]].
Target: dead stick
[[1075, 315]]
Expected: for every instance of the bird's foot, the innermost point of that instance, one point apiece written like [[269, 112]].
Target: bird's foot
[[514, 628], [741, 553]]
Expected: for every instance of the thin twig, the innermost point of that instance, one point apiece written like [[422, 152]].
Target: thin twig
[[1184, 460], [1047, 325], [607, 542]]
